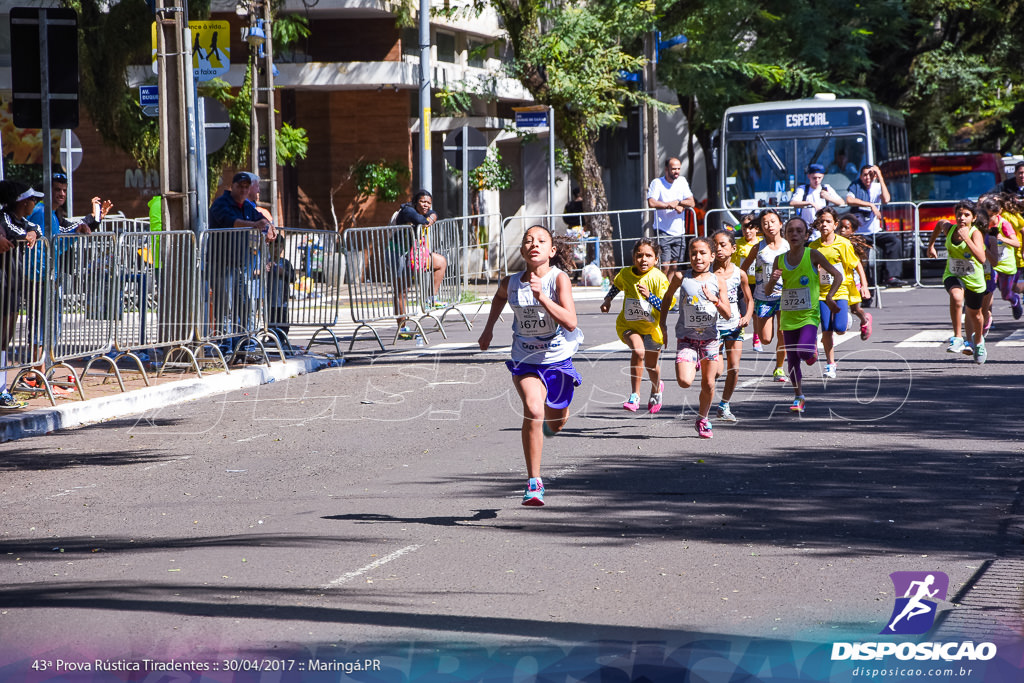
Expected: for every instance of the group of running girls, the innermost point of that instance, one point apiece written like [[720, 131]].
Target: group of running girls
[[545, 334], [983, 255], [791, 280]]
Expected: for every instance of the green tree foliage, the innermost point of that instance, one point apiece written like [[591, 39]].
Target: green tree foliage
[[952, 66], [103, 88], [114, 108], [382, 179], [961, 81], [569, 56]]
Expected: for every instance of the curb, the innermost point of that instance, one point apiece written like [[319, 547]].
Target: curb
[[46, 420]]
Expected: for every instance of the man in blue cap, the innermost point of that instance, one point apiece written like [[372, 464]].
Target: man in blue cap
[[814, 195]]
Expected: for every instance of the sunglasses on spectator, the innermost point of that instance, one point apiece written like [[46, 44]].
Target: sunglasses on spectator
[[60, 177]]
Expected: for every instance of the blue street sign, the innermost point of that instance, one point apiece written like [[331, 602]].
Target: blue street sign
[[149, 95], [531, 119]]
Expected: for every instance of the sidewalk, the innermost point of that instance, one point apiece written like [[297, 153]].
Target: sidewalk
[[104, 401]]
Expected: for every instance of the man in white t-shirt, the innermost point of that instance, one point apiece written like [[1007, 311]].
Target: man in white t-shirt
[[671, 196], [814, 195]]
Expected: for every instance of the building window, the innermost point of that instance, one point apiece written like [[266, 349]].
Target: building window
[[445, 47], [410, 42], [476, 53]]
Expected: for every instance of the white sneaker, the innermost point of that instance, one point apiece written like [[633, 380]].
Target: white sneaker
[[956, 345], [829, 371], [725, 414]]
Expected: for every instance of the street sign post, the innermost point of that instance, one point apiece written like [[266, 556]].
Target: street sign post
[[541, 117], [149, 100], [464, 150], [532, 118]]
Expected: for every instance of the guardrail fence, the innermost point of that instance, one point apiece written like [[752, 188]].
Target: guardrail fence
[[151, 298]]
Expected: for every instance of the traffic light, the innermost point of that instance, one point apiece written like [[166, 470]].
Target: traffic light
[[61, 38]]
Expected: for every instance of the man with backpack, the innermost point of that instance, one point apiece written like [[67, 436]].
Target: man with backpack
[[814, 195]]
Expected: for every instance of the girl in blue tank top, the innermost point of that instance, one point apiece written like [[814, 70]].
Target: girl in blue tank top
[[544, 338]]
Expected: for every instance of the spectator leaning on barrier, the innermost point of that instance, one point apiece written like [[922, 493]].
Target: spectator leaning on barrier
[[17, 233], [420, 213], [228, 259], [865, 197], [59, 224], [671, 196]]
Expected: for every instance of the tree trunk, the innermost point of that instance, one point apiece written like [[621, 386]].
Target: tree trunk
[[596, 200]]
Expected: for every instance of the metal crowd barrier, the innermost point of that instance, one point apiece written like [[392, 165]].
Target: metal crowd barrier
[[937, 210], [622, 223], [303, 278], [82, 308], [233, 280], [121, 224], [389, 278], [157, 287], [449, 239], [24, 321]]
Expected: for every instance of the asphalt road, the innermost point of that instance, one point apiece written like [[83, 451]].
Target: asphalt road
[[377, 504]]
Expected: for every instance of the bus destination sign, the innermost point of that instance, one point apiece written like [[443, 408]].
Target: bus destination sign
[[795, 119]]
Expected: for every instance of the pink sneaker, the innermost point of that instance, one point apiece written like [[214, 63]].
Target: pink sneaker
[[632, 403], [757, 343], [654, 403], [703, 427], [865, 329]]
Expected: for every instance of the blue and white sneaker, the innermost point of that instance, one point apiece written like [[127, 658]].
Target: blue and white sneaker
[[981, 354], [968, 349], [8, 402], [534, 495]]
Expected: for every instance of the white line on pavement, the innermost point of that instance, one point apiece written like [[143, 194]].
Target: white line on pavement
[[258, 436], [925, 340], [1016, 338], [373, 565]]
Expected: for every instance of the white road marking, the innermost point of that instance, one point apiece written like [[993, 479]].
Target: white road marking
[[258, 436], [1016, 338], [925, 340], [68, 492], [373, 565], [165, 464], [614, 346]]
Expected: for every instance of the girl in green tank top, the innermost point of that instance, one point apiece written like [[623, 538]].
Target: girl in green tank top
[[964, 279], [1006, 247], [798, 271]]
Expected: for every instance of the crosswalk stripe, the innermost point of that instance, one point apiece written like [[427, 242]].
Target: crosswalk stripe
[[925, 340], [1016, 338]]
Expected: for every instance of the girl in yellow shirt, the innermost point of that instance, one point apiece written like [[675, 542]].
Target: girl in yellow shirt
[[638, 324]]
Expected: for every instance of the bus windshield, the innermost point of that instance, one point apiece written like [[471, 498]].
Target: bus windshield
[[767, 169]]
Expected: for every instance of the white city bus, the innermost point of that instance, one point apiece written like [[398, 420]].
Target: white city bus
[[767, 147]]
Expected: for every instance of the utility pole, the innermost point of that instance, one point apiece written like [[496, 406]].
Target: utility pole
[[262, 121], [174, 75], [426, 179], [651, 167]]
